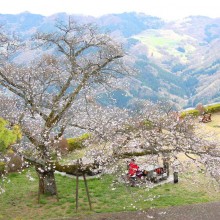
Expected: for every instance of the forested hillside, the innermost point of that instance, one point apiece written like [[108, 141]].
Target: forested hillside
[[177, 61]]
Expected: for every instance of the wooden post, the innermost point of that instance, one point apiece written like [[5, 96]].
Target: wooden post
[[77, 190], [40, 187], [56, 192], [38, 196], [77, 186], [87, 191], [175, 177]]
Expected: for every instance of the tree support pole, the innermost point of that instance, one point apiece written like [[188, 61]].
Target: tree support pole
[[87, 191], [77, 192], [56, 192], [175, 177], [77, 186], [38, 194]]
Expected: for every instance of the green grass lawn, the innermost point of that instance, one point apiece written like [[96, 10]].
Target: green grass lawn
[[19, 201]]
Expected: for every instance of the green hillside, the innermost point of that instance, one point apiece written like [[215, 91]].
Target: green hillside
[[186, 50], [166, 42]]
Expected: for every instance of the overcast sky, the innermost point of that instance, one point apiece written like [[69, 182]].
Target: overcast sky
[[166, 9]]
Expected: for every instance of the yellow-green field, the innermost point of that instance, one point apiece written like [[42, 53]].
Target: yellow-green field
[[159, 40]]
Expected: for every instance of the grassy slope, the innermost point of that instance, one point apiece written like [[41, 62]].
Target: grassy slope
[[20, 198], [214, 125], [168, 40]]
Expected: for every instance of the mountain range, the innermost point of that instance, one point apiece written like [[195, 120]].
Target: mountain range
[[177, 61]]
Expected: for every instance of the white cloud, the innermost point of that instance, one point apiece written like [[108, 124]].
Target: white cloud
[[168, 9]]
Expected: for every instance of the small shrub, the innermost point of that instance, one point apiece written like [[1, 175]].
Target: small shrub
[[8, 136], [15, 163], [2, 146], [63, 146], [148, 124], [2, 168], [78, 142]]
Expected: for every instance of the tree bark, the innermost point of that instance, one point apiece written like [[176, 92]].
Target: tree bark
[[47, 183]]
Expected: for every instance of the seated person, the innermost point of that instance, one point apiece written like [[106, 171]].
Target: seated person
[[132, 168]]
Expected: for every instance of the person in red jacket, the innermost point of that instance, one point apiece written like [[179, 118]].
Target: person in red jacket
[[132, 170]]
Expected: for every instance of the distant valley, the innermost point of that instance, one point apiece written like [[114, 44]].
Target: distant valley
[[177, 61]]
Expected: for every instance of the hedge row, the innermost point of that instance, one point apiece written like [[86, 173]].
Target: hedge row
[[208, 109], [193, 112], [213, 108]]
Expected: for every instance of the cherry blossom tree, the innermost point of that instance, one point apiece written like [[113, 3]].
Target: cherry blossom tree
[[55, 90], [44, 93], [156, 131]]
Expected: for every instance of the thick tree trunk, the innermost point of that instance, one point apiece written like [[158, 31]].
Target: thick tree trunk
[[47, 183]]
